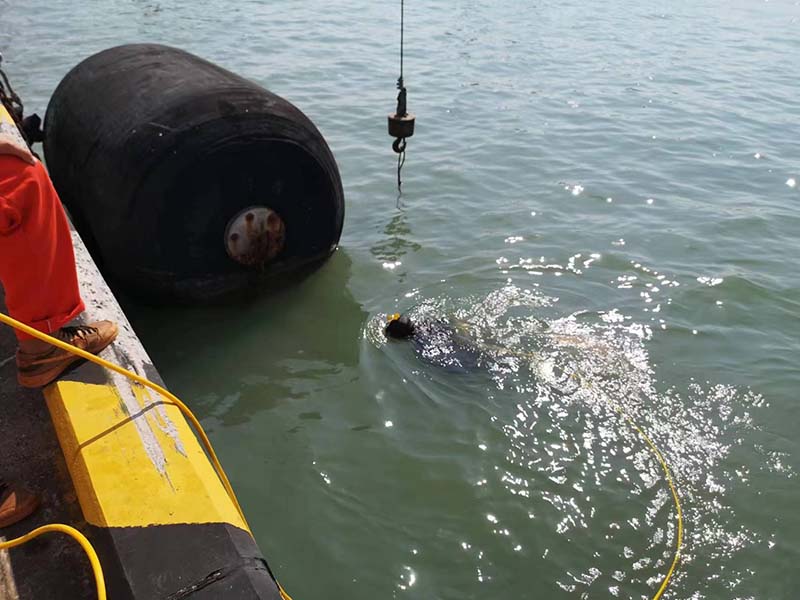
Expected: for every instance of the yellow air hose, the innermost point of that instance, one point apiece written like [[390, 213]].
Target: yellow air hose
[[79, 537], [672, 488], [656, 452], [98, 571], [667, 475], [675, 498]]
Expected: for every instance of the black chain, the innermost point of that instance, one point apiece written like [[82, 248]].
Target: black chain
[[399, 145], [29, 127], [9, 97], [401, 160]]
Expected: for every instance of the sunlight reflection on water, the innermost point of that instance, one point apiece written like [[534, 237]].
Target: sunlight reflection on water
[[568, 455]]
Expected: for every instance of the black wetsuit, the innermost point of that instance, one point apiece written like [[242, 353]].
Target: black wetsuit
[[438, 343]]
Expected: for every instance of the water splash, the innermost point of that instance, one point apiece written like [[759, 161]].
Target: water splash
[[566, 446]]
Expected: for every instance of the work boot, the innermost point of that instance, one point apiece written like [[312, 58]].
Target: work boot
[[40, 368], [15, 504]]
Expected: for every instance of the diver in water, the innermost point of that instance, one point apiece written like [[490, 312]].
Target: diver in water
[[452, 346], [439, 342]]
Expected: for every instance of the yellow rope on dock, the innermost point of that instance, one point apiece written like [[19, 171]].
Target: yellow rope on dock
[[78, 536]]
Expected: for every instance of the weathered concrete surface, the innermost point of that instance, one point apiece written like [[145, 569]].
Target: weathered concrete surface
[[53, 566]]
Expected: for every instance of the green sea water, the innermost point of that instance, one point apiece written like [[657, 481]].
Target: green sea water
[[607, 191]]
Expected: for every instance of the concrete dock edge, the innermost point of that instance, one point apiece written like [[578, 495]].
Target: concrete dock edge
[[154, 508]]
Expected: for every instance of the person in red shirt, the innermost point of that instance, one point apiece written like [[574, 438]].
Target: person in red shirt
[[39, 277]]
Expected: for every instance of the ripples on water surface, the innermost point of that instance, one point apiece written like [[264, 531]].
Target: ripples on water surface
[[591, 489], [608, 193]]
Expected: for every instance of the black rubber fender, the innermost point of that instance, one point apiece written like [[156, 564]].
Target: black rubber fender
[[154, 151]]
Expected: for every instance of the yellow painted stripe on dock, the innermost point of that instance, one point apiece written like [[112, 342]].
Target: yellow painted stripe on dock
[[117, 480]]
